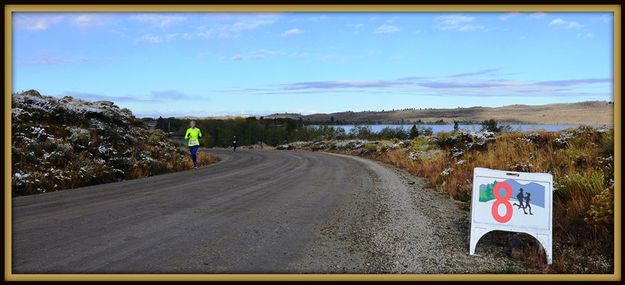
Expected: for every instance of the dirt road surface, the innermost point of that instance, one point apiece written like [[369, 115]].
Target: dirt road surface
[[252, 212]]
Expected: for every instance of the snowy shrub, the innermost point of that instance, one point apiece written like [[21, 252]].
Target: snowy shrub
[[65, 143]]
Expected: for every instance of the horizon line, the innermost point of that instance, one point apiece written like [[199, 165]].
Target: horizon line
[[248, 115]]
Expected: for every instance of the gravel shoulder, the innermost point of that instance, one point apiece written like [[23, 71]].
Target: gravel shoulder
[[394, 224]]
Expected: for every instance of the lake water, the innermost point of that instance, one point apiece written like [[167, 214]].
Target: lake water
[[437, 128]]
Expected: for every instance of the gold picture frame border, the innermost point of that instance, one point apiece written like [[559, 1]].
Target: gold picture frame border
[[10, 9]]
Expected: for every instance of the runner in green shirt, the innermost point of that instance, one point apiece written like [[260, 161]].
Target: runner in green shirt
[[193, 135]]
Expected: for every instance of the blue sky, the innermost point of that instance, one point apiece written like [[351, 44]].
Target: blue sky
[[201, 64]]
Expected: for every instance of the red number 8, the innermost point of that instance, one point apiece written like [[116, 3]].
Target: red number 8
[[502, 200]]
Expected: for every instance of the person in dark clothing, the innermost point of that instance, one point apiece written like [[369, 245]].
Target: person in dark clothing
[[234, 143], [520, 198], [527, 203]]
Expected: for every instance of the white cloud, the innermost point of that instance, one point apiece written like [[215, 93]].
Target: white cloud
[[84, 20], [44, 21], [454, 85], [256, 55], [507, 16], [234, 29], [586, 35], [292, 32], [538, 15], [168, 95], [231, 28], [461, 23], [386, 29], [251, 23], [316, 18], [45, 59], [355, 26], [159, 20], [606, 18], [99, 97], [90, 20], [157, 39], [39, 25], [565, 24], [36, 22], [392, 19], [151, 39], [244, 26]]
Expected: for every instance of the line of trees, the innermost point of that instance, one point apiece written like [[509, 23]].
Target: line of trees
[[247, 130], [278, 131]]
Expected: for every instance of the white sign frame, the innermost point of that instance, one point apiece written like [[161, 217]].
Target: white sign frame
[[541, 229]]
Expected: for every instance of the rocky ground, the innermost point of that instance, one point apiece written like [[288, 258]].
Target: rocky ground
[[61, 143]]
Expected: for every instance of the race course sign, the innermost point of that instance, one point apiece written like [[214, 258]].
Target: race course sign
[[514, 202]]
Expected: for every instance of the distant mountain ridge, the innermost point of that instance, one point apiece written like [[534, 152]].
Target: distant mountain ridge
[[589, 112]]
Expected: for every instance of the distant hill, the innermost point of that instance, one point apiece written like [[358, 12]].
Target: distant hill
[[224, 117], [590, 112]]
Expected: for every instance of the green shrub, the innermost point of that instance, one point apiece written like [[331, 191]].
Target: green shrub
[[601, 211], [577, 157], [371, 147], [57, 159], [445, 140], [584, 185], [607, 143], [156, 136], [493, 126], [420, 144]]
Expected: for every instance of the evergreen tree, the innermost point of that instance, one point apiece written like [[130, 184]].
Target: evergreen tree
[[160, 123], [414, 132]]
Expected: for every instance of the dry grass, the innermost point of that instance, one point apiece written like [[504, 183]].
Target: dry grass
[[203, 159], [582, 164]]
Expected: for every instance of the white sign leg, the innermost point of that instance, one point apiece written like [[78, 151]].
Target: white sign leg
[[476, 235]]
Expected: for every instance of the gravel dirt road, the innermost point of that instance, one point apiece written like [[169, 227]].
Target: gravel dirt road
[[252, 212]]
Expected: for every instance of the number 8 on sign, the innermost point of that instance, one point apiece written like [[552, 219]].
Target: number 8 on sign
[[502, 200]]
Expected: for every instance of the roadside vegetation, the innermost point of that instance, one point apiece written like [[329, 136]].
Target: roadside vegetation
[[67, 143], [581, 161], [273, 132]]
